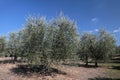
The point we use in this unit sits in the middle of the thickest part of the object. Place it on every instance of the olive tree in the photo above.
(14, 45)
(34, 41)
(2, 44)
(117, 49)
(101, 46)
(45, 43)
(84, 51)
(65, 37)
(96, 46)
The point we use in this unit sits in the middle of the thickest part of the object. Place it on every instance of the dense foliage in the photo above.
(97, 47)
(43, 42)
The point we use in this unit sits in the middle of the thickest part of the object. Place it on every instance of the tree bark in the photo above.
(15, 58)
(96, 63)
(86, 59)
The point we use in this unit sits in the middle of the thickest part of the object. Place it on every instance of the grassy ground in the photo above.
(70, 71)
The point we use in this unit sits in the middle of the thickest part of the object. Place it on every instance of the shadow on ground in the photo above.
(115, 67)
(9, 61)
(79, 65)
(104, 78)
(27, 70)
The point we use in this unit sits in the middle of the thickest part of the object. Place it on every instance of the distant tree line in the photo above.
(43, 42)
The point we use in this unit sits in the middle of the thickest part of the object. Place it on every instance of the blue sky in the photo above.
(90, 15)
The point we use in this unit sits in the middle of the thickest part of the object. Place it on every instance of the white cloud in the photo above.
(116, 30)
(91, 31)
(94, 19)
(96, 30)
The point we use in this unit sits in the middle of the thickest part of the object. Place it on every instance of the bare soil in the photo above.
(72, 72)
